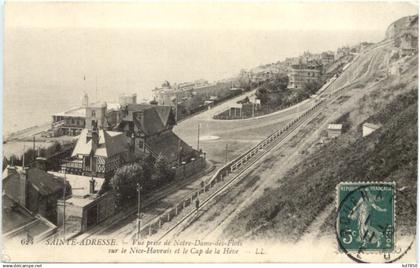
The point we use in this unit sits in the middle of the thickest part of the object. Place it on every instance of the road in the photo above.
(211, 221)
(240, 135)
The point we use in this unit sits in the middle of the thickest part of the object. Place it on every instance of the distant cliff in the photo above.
(409, 24)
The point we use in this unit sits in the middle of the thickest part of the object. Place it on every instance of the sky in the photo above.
(233, 15)
(51, 47)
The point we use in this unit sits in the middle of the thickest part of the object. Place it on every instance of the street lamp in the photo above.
(183, 168)
(138, 211)
(192, 160)
(198, 137)
(64, 169)
(226, 153)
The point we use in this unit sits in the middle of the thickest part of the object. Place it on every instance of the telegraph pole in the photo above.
(226, 153)
(138, 211)
(64, 203)
(198, 137)
(23, 158)
(176, 107)
(33, 145)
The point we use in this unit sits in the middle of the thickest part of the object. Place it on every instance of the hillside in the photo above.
(374, 94)
(389, 154)
(403, 25)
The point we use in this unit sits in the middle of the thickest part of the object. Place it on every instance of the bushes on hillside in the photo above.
(124, 183)
(388, 154)
(149, 172)
(275, 95)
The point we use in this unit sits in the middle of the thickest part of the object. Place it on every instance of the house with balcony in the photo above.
(149, 130)
(302, 73)
(97, 153)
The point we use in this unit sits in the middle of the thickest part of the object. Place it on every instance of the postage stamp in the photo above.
(365, 216)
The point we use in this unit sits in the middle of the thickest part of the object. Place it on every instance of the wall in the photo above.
(191, 168)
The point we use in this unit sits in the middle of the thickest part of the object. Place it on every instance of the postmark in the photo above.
(368, 214)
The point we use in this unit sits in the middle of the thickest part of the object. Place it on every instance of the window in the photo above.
(93, 113)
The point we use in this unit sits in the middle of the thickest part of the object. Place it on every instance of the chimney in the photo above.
(92, 186)
(23, 185)
(41, 163)
(11, 170)
(132, 142)
(89, 134)
(95, 138)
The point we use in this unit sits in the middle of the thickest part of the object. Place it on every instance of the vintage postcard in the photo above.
(215, 131)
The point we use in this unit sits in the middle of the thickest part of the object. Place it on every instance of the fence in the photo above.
(190, 168)
(153, 226)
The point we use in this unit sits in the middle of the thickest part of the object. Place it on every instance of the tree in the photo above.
(262, 94)
(163, 171)
(280, 82)
(312, 87)
(124, 183)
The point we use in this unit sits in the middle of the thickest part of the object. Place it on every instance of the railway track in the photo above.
(240, 168)
(244, 169)
(328, 98)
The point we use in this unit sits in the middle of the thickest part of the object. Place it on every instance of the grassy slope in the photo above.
(389, 154)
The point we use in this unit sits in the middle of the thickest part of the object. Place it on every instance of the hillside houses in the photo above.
(35, 189)
(404, 33)
(408, 44)
(113, 135)
(300, 74)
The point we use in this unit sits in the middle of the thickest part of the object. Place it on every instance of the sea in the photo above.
(47, 70)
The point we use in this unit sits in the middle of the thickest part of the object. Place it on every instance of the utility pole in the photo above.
(96, 87)
(179, 151)
(226, 153)
(64, 203)
(176, 107)
(33, 144)
(23, 158)
(138, 211)
(198, 137)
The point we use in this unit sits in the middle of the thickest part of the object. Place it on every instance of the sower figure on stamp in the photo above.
(362, 212)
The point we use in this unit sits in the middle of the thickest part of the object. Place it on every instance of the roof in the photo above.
(14, 215)
(131, 107)
(163, 112)
(80, 184)
(19, 222)
(335, 126)
(166, 144)
(370, 125)
(74, 112)
(42, 181)
(80, 201)
(307, 66)
(110, 143)
(5, 171)
(149, 122)
(98, 104)
(112, 106)
(149, 119)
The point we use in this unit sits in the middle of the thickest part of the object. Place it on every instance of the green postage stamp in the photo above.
(365, 218)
